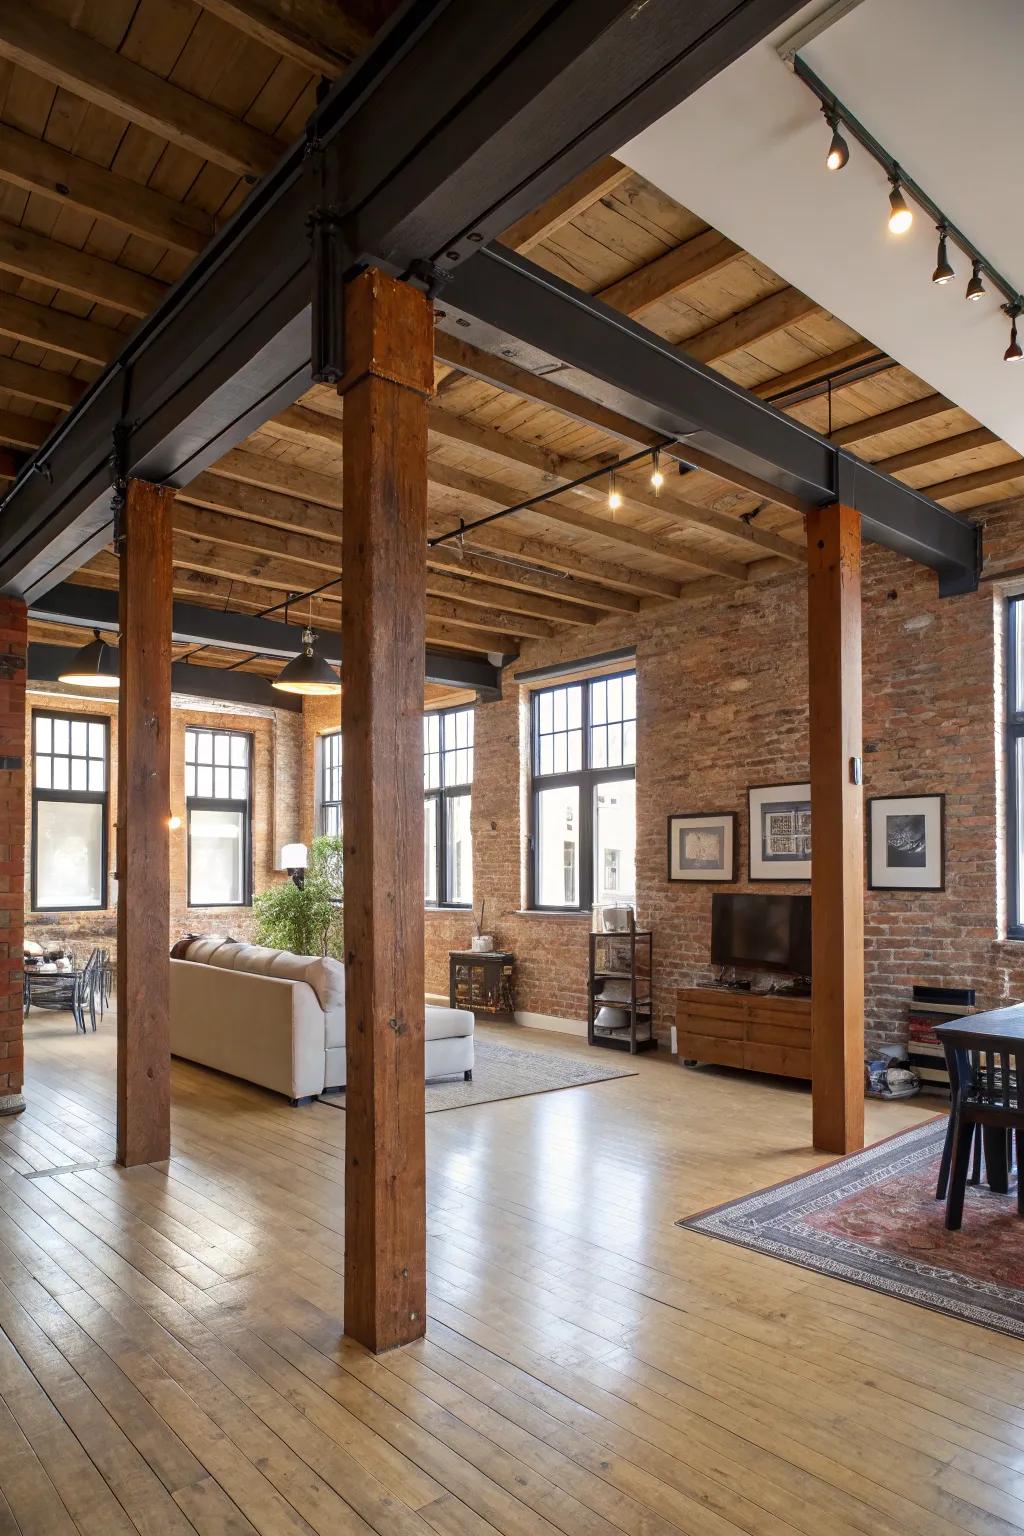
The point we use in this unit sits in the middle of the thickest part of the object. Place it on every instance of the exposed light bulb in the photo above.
(173, 823)
(943, 271)
(900, 216)
(657, 478)
(614, 496)
(976, 286)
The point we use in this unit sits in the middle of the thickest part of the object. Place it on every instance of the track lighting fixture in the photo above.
(976, 286)
(614, 496)
(838, 150)
(905, 196)
(943, 271)
(900, 216)
(308, 672)
(657, 478)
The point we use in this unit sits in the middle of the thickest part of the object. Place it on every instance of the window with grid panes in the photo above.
(218, 797)
(583, 833)
(447, 787)
(329, 818)
(70, 774)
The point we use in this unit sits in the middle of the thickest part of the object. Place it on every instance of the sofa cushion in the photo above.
(256, 959)
(324, 975)
(226, 954)
(200, 950)
(334, 1027)
(448, 1023)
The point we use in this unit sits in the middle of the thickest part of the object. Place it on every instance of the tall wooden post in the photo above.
(389, 375)
(143, 855)
(837, 830)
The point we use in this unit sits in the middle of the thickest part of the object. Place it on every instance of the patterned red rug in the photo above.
(873, 1219)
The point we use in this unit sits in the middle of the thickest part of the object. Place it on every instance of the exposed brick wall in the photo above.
(277, 766)
(722, 705)
(13, 652)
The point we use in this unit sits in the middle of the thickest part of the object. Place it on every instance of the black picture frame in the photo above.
(754, 837)
(938, 798)
(703, 877)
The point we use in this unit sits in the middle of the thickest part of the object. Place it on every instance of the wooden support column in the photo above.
(389, 375)
(143, 853)
(837, 810)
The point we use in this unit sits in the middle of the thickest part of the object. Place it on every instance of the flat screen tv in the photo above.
(761, 933)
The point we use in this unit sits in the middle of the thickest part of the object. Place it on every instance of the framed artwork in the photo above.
(780, 831)
(907, 843)
(702, 847)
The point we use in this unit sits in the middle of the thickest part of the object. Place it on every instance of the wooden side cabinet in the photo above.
(758, 1031)
(482, 981)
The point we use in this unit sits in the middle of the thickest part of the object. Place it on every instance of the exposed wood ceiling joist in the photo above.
(43, 385)
(48, 48)
(90, 277)
(73, 182)
(941, 448)
(318, 34)
(977, 480)
(671, 273)
(888, 421)
(818, 368)
(55, 331)
(750, 325)
(23, 431)
(574, 198)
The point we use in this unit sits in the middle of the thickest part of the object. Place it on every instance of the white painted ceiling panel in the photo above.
(937, 83)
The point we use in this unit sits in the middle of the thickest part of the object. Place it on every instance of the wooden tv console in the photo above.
(762, 1032)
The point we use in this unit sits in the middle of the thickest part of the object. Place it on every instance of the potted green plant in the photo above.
(307, 919)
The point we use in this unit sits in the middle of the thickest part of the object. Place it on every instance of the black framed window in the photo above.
(218, 797)
(70, 783)
(447, 802)
(583, 832)
(329, 808)
(1015, 767)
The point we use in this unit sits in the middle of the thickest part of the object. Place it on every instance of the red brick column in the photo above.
(13, 656)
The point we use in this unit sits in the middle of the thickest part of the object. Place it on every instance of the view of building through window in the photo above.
(69, 812)
(447, 781)
(217, 796)
(584, 793)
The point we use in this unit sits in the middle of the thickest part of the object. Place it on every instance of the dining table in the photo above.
(997, 1034)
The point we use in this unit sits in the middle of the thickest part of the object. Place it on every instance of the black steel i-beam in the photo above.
(47, 663)
(603, 355)
(460, 118)
(85, 607)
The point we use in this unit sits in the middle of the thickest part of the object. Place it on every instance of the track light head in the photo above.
(900, 216)
(976, 286)
(1014, 352)
(943, 271)
(838, 150)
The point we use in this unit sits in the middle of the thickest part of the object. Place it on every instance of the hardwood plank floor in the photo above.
(171, 1357)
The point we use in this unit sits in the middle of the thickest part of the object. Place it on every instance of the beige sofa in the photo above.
(278, 1019)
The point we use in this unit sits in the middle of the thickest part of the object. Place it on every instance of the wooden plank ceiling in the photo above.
(129, 129)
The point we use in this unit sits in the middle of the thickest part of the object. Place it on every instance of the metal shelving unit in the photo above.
(617, 958)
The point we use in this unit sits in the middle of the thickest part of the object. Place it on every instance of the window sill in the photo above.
(446, 906)
(578, 917)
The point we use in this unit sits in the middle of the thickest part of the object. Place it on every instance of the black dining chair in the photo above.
(986, 1075)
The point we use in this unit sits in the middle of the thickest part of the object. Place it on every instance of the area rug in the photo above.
(873, 1219)
(505, 1072)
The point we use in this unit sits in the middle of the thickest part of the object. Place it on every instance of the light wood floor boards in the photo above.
(171, 1358)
